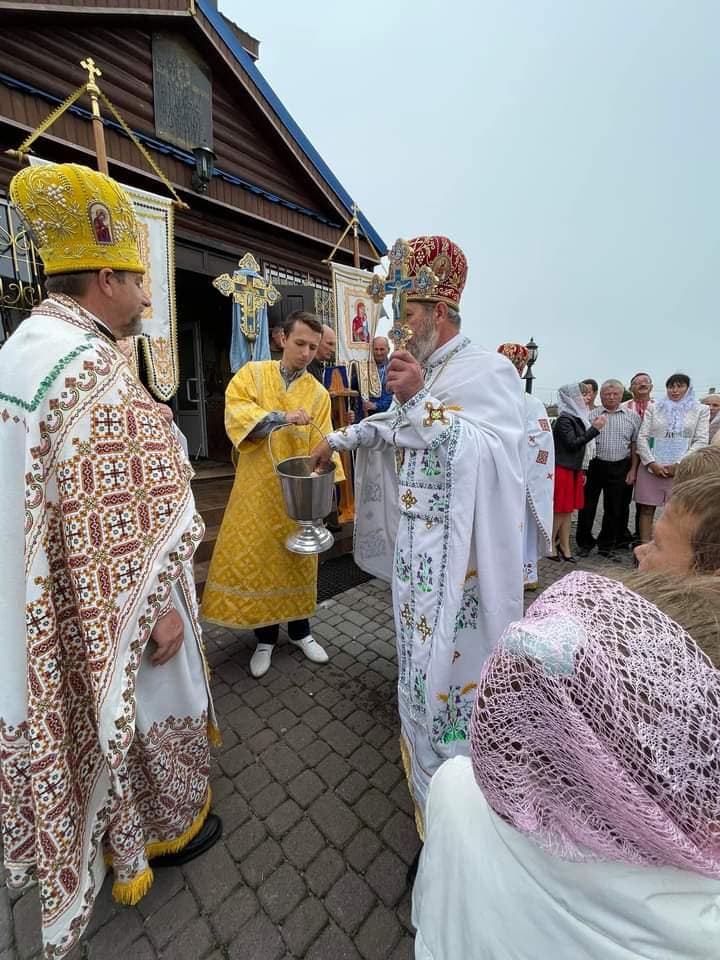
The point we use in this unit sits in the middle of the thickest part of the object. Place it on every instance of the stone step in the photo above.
(212, 517)
(201, 572)
(211, 494)
(205, 550)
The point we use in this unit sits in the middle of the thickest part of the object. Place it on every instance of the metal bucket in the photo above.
(308, 499)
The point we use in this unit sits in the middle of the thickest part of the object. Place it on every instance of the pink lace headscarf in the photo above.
(596, 730)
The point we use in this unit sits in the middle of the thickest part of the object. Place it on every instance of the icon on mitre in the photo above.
(101, 223)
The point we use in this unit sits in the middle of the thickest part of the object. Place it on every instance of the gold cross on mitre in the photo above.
(250, 291)
(398, 284)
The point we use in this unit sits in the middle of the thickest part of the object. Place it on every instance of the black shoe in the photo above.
(569, 559)
(209, 834)
(413, 869)
(611, 557)
(584, 551)
(554, 557)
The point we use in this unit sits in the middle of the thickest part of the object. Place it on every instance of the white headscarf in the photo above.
(572, 402)
(674, 410)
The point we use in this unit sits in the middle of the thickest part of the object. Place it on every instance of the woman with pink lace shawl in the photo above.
(591, 827)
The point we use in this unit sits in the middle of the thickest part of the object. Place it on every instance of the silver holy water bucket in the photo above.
(308, 499)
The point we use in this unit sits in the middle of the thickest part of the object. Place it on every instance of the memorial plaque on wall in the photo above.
(182, 90)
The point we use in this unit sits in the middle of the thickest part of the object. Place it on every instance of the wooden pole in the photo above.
(356, 238)
(98, 129)
(340, 399)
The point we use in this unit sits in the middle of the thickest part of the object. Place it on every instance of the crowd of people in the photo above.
(624, 451)
(564, 765)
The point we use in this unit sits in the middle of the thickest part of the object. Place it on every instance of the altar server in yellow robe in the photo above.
(254, 582)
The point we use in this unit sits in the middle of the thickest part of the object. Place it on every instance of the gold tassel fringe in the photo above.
(214, 735)
(161, 847)
(132, 891)
(405, 754)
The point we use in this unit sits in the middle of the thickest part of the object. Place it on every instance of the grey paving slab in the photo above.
(318, 827)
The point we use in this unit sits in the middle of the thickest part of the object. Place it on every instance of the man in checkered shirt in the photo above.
(609, 473)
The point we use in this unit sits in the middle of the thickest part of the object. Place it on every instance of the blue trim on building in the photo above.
(160, 146)
(248, 65)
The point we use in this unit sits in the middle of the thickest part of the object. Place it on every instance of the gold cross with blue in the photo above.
(399, 284)
(250, 291)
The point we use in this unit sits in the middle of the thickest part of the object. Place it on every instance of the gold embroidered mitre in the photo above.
(79, 219)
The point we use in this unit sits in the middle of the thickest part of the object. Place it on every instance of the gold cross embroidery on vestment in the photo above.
(424, 628)
(435, 415)
(408, 500)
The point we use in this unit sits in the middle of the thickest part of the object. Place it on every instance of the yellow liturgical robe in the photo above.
(253, 579)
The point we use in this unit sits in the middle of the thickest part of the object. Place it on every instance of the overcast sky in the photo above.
(571, 148)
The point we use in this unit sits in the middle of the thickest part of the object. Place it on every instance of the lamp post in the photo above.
(532, 349)
(204, 162)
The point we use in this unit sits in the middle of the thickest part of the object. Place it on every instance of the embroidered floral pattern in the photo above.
(430, 463)
(173, 754)
(424, 579)
(402, 566)
(452, 720)
(467, 615)
(419, 690)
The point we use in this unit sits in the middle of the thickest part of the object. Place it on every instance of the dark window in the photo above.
(20, 272)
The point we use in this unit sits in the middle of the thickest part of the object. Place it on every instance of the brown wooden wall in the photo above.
(47, 54)
(182, 5)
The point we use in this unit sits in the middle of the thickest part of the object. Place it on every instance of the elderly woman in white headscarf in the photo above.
(674, 426)
(586, 826)
(571, 432)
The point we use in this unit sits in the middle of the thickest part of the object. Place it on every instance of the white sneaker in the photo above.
(312, 649)
(260, 660)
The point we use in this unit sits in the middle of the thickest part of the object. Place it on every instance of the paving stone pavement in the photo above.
(318, 831)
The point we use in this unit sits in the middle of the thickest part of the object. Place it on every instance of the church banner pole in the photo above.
(356, 238)
(98, 129)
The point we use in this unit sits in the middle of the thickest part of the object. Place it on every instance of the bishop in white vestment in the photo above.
(440, 503)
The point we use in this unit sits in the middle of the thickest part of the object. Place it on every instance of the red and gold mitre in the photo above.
(447, 262)
(516, 353)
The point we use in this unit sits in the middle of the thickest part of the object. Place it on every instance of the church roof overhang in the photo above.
(247, 65)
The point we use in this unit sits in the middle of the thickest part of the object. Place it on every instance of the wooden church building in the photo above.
(185, 79)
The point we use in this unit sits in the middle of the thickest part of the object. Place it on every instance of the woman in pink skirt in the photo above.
(672, 428)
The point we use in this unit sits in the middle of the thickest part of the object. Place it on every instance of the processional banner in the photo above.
(357, 319)
(158, 343)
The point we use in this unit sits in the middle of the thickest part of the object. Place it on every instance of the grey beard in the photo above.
(423, 345)
(131, 329)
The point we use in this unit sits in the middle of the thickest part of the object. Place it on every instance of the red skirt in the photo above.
(569, 490)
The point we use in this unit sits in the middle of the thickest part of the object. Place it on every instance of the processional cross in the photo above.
(398, 284)
(250, 291)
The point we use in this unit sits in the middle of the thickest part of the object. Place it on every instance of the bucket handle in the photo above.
(279, 426)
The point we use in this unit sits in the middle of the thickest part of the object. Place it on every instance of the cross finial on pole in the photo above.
(93, 71)
(92, 88)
